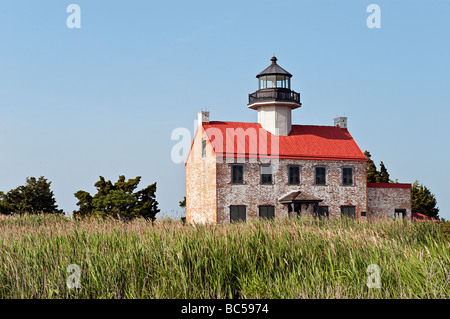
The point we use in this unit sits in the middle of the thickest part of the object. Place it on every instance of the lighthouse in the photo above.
(274, 100)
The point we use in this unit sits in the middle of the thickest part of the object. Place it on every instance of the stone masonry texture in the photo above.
(252, 194)
(201, 182)
(382, 202)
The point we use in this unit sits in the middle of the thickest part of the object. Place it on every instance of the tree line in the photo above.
(119, 200)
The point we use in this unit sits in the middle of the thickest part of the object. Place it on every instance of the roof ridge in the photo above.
(256, 123)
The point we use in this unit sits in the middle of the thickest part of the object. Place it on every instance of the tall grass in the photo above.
(302, 258)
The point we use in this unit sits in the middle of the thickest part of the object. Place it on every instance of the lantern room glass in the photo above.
(274, 81)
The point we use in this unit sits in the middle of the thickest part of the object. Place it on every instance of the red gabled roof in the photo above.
(237, 139)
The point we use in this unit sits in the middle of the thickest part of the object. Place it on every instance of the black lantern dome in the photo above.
(274, 84)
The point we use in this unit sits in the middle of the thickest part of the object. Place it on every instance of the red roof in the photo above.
(236, 139)
(422, 217)
(388, 185)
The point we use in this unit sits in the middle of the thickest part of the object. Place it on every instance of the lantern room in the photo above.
(274, 84)
(274, 77)
(274, 100)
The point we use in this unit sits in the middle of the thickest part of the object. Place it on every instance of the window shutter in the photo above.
(267, 212)
(242, 213)
(348, 211)
(271, 212)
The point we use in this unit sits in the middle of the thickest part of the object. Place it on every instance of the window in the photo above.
(294, 175)
(267, 212)
(237, 174)
(348, 211)
(320, 175)
(266, 174)
(262, 83)
(237, 213)
(347, 176)
(322, 211)
(204, 147)
(271, 81)
(400, 214)
(280, 83)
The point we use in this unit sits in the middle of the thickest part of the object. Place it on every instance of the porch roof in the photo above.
(299, 197)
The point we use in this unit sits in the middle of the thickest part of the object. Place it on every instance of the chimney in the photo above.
(341, 122)
(203, 117)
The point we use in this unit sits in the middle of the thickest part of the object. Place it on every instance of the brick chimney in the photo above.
(203, 117)
(341, 122)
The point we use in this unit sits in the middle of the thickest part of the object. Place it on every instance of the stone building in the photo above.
(273, 168)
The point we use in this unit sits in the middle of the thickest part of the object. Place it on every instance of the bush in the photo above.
(118, 200)
(445, 229)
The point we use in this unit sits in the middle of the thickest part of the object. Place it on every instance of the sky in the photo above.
(104, 99)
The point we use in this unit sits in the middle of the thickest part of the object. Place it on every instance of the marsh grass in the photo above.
(302, 258)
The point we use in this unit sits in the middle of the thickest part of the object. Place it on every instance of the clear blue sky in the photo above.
(104, 99)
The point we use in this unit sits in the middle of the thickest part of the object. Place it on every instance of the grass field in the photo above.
(302, 258)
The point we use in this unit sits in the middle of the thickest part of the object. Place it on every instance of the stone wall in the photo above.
(253, 194)
(201, 182)
(383, 199)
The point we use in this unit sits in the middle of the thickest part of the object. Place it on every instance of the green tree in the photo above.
(32, 198)
(372, 174)
(383, 175)
(423, 201)
(118, 200)
(3, 204)
(183, 203)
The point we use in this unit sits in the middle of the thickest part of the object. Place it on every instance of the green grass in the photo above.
(302, 258)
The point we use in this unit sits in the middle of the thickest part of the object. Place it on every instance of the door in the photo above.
(297, 209)
(322, 211)
(399, 214)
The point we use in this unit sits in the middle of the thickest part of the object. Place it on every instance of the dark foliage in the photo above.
(183, 202)
(35, 197)
(423, 201)
(118, 200)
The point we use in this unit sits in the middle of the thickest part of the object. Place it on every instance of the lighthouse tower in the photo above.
(274, 99)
